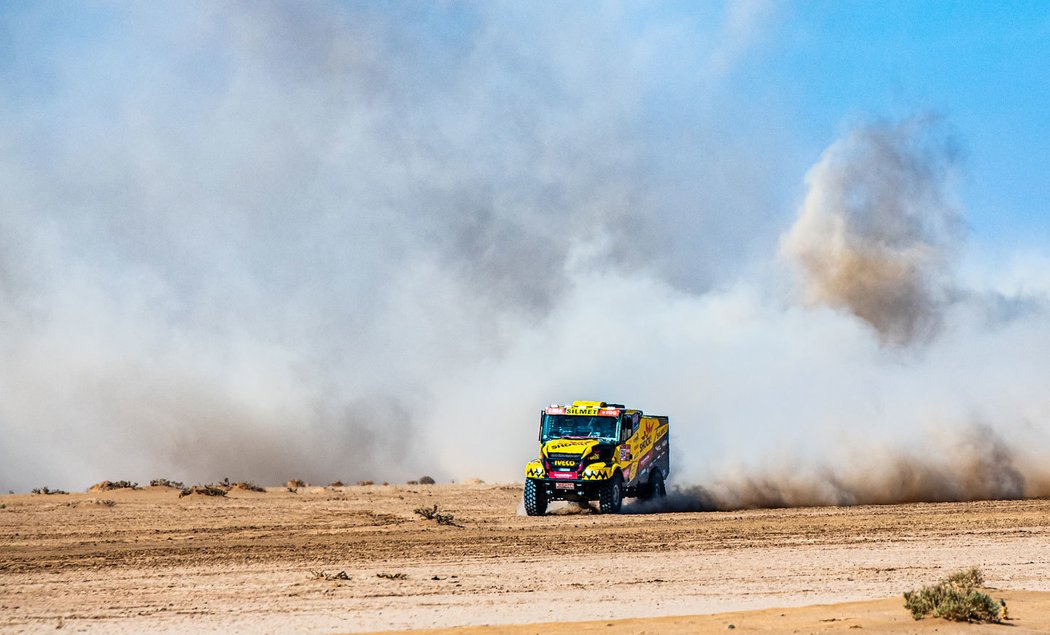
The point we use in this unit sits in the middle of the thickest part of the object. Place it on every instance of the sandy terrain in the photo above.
(150, 560)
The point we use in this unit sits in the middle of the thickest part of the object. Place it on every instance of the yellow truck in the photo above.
(593, 450)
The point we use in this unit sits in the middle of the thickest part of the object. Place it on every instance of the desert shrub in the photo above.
(336, 484)
(426, 480)
(248, 485)
(163, 482)
(321, 575)
(365, 483)
(427, 513)
(392, 576)
(432, 513)
(203, 490)
(45, 490)
(104, 486)
(412, 483)
(955, 598)
(294, 484)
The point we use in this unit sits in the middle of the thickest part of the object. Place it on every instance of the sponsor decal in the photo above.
(580, 444)
(582, 411)
(563, 474)
(561, 463)
(564, 486)
(647, 436)
(585, 412)
(625, 454)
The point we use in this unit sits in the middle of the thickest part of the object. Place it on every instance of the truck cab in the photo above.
(594, 450)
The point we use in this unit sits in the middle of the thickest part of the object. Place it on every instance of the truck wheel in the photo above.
(656, 485)
(535, 499)
(610, 496)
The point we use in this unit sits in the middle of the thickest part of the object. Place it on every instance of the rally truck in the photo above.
(593, 450)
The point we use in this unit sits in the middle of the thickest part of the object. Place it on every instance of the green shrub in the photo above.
(955, 598)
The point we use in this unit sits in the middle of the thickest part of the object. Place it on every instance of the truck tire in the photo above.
(535, 499)
(610, 496)
(654, 488)
(656, 485)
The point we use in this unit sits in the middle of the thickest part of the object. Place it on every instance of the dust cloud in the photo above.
(253, 240)
(970, 464)
(879, 228)
(335, 242)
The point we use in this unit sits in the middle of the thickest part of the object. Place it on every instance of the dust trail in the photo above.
(879, 228)
(972, 463)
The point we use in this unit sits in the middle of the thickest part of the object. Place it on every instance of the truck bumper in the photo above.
(569, 489)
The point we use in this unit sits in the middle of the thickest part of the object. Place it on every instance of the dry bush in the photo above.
(294, 484)
(163, 482)
(105, 486)
(45, 490)
(412, 483)
(321, 575)
(336, 484)
(362, 483)
(426, 480)
(955, 598)
(428, 513)
(203, 490)
(392, 576)
(432, 513)
(247, 486)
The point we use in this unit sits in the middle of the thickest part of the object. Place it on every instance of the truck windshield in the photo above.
(560, 426)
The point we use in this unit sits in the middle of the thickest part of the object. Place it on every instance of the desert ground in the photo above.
(148, 560)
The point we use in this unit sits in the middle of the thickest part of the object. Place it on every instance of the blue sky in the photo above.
(818, 65)
(981, 64)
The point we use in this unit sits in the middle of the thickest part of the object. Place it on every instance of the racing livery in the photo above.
(597, 450)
